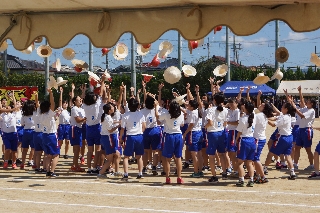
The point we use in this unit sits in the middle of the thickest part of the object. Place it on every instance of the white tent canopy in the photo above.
(104, 21)
(308, 87)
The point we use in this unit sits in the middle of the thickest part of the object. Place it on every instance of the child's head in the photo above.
(44, 107)
(133, 105)
(28, 108)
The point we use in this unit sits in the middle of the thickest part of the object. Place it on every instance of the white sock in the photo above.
(292, 171)
(283, 163)
(241, 178)
(125, 174)
(140, 173)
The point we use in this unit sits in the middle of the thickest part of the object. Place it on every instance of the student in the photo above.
(134, 122)
(64, 124)
(27, 139)
(216, 119)
(18, 115)
(284, 144)
(316, 173)
(173, 143)
(49, 136)
(246, 143)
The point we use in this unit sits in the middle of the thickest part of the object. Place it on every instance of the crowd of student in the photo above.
(214, 131)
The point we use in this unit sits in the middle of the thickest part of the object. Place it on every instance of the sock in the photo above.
(241, 178)
(283, 163)
(292, 171)
(251, 178)
(125, 174)
(140, 173)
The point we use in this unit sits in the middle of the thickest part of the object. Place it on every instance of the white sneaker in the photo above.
(149, 166)
(159, 166)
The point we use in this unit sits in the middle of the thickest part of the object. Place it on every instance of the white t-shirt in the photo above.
(27, 122)
(149, 114)
(298, 118)
(309, 116)
(162, 111)
(48, 122)
(116, 121)
(76, 112)
(218, 118)
(93, 112)
(283, 123)
(233, 116)
(8, 122)
(244, 128)
(193, 118)
(106, 125)
(18, 115)
(64, 117)
(132, 121)
(260, 127)
(171, 126)
(36, 120)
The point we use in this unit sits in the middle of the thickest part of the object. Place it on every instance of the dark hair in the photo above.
(232, 100)
(268, 110)
(249, 107)
(45, 107)
(106, 109)
(174, 110)
(74, 99)
(194, 104)
(28, 108)
(133, 104)
(314, 103)
(149, 103)
(219, 99)
(205, 104)
(90, 98)
(290, 108)
(65, 102)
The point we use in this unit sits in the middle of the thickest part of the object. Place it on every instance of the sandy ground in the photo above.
(21, 190)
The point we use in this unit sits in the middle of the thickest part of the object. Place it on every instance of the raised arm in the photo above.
(302, 103)
(36, 99)
(61, 95)
(124, 94)
(103, 86)
(258, 98)
(132, 91)
(189, 95)
(198, 97)
(120, 98)
(138, 95)
(52, 104)
(248, 94)
(275, 109)
(144, 88)
(83, 91)
(239, 94)
(160, 91)
(71, 94)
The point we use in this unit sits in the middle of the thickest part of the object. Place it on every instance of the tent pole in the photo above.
(90, 56)
(46, 72)
(277, 46)
(179, 52)
(133, 67)
(227, 53)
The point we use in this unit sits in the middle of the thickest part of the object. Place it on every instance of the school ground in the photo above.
(70, 192)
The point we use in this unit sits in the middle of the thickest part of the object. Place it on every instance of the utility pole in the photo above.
(276, 47)
(179, 52)
(208, 46)
(107, 61)
(227, 53)
(90, 56)
(5, 65)
(46, 72)
(235, 48)
(133, 65)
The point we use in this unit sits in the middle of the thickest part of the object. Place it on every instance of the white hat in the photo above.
(261, 79)
(121, 51)
(141, 50)
(94, 76)
(221, 70)
(107, 74)
(277, 75)
(57, 64)
(172, 75)
(315, 59)
(180, 99)
(44, 51)
(68, 53)
(189, 70)
(60, 81)
(165, 49)
(3, 46)
(80, 63)
(29, 49)
(52, 83)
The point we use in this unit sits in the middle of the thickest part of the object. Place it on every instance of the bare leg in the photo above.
(178, 165)
(66, 147)
(297, 154)
(140, 163)
(212, 164)
(310, 155)
(55, 159)
(89, 156)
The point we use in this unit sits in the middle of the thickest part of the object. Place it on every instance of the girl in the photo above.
(18, 115)
(49, 136)
(216, 118)
(316, 173)
(28, 123)
(284, 144)
(75, 131)
(109, 139)
(64, 124)
(246, 145)
(173, 143)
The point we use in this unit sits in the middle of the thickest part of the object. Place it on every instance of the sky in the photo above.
(256, 49)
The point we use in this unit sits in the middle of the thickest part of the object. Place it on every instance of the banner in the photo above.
(21, 93)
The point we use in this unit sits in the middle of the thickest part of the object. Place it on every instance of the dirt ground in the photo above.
(21, 190)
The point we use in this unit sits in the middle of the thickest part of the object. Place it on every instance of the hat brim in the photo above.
(43, 47)
(62, 82)
(68, 53)
(94, 76)
(261, 80)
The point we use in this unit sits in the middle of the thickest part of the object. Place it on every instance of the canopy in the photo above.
(308, 87)
(232, 88)
(104, 21)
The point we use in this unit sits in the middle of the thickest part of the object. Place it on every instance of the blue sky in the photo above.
(256, 49)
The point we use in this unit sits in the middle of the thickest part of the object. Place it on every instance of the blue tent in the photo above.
(232, 88)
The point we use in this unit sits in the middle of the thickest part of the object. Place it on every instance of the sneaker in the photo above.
(99, 176)
(224, 176)
(144, 171)
(10, 162)
(14, 166)
(260, 180)
(82, 160)
(149, 166)
(44, 171)
(65, 157)
(292, 177)
(234, 175)
(296, 166)
(118, 174)
(278, 165)
(168, 181)
(195, 175)
(159, 166)
(228, 171)
(154, 170)
(125, 178)
(314, 175)
(30, 163)
(5, 165)
(18, 161)
(37, 170)
(163, 173)
(310, 167)
(240, 183)
(48, 174)
(201, 174)
(21, 166)
(52, 174)
(89, 172)
(247, 176)
(250, 183)
(185, 165)
(140, 177)
(205, 168)
(94, 171)
(180, 181)
(284, 167)
(265, 171)
(213, 179)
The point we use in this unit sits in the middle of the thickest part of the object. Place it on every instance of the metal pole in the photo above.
(5, 63)
(179, 52)
(234, 48)
(227, 53)
(315, 52)
(276, 47)
(90, 56)
(46, 72)
(133, 66)
(208, 46)
(107, 61)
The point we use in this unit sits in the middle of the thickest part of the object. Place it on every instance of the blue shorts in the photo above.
(275, 135)
(204, 138)
(124, 136)
(305, 137)
(20, 133)
(282, 146)
(246, 148)
(10, 140)
(27, 139)
(184, 128)
(216, 142)
(194, 141)
(163, 135)
(259, 147)
(134, 144)
(295, 133)
(110, 143)
(93, 135)
(151, 138)
(173, 145)
(50, 144)
(75, 135)
(318, 148)
(231, 141)
(37, 141)
(63, 132)
(84, 131)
